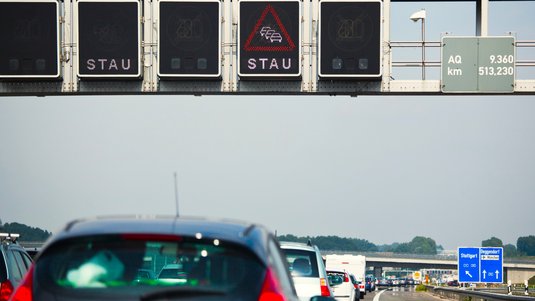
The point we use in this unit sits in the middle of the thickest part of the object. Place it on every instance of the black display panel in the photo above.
(190, 39)
(108, 39)
(269, 39)
(30, 45)
(350, 39)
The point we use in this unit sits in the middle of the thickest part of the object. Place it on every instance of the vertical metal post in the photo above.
(176, 195)
(387, 51)
(306, 46)
(482, 18)
(314, 17)
(423, 49)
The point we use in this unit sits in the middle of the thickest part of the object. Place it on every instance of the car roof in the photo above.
(336, 270)
(297, 245)
(249, 235)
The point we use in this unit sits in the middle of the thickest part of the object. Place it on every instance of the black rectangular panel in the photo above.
(269, 39)
(30, 46)
(108, 39)
(190, 39)
(350, 39)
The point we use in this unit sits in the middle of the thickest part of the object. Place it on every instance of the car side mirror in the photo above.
(322, 298)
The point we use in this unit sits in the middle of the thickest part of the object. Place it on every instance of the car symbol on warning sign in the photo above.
(263, 33)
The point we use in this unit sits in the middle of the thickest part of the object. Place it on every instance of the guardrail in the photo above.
(426, 62)
(472, 295)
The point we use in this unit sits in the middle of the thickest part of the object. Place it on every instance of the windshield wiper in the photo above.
(176, 292)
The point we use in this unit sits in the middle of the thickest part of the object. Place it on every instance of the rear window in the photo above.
(302, 263)
(336, 278)
(137, 265)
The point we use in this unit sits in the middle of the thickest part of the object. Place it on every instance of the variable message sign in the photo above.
(30, 45)
(350, 38)
(478, 64)
(109, 42)
(269, 39)
(190, 39)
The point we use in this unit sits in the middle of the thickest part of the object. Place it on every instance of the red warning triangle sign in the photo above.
(264, 37)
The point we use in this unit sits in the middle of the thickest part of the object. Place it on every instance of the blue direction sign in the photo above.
(480, 265)
(468, 264)
(491, 265)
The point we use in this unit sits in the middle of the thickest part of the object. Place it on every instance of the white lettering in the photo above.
(289, 64)
(263, 60)
(455, 59)
(269, 63)
(251, 63)
(102, 61)
(469, 256)
(455, 72)
(274, 64)
(127, 67)
(108, 64)
(91, 64)
(113, 65)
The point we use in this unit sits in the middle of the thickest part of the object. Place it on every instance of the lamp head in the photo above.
(419, 15)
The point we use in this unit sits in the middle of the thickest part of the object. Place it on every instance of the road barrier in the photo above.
(472, 295)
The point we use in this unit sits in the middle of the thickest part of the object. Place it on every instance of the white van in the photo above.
(353, 264)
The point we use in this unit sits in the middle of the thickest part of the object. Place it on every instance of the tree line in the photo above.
(525, 245)
(27, 233)
(418, 245)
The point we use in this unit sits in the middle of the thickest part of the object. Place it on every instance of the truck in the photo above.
(353, 264)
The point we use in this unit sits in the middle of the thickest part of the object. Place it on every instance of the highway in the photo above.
(400, 294)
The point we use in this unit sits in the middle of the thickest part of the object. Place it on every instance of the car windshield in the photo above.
(136, 264)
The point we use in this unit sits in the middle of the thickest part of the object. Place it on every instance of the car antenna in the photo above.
(176, 195)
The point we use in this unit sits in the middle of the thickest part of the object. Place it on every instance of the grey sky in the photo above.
(455, 168)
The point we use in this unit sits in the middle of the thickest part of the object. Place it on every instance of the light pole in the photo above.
(420, 15)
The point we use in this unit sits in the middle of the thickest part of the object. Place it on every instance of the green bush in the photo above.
(421, 288)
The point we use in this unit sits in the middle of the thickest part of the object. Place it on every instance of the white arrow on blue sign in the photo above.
(491, 265)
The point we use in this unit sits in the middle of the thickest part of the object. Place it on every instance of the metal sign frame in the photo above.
(190, 75)
(329, 76)
(76, 26)
(58, 40)
(298, 42)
